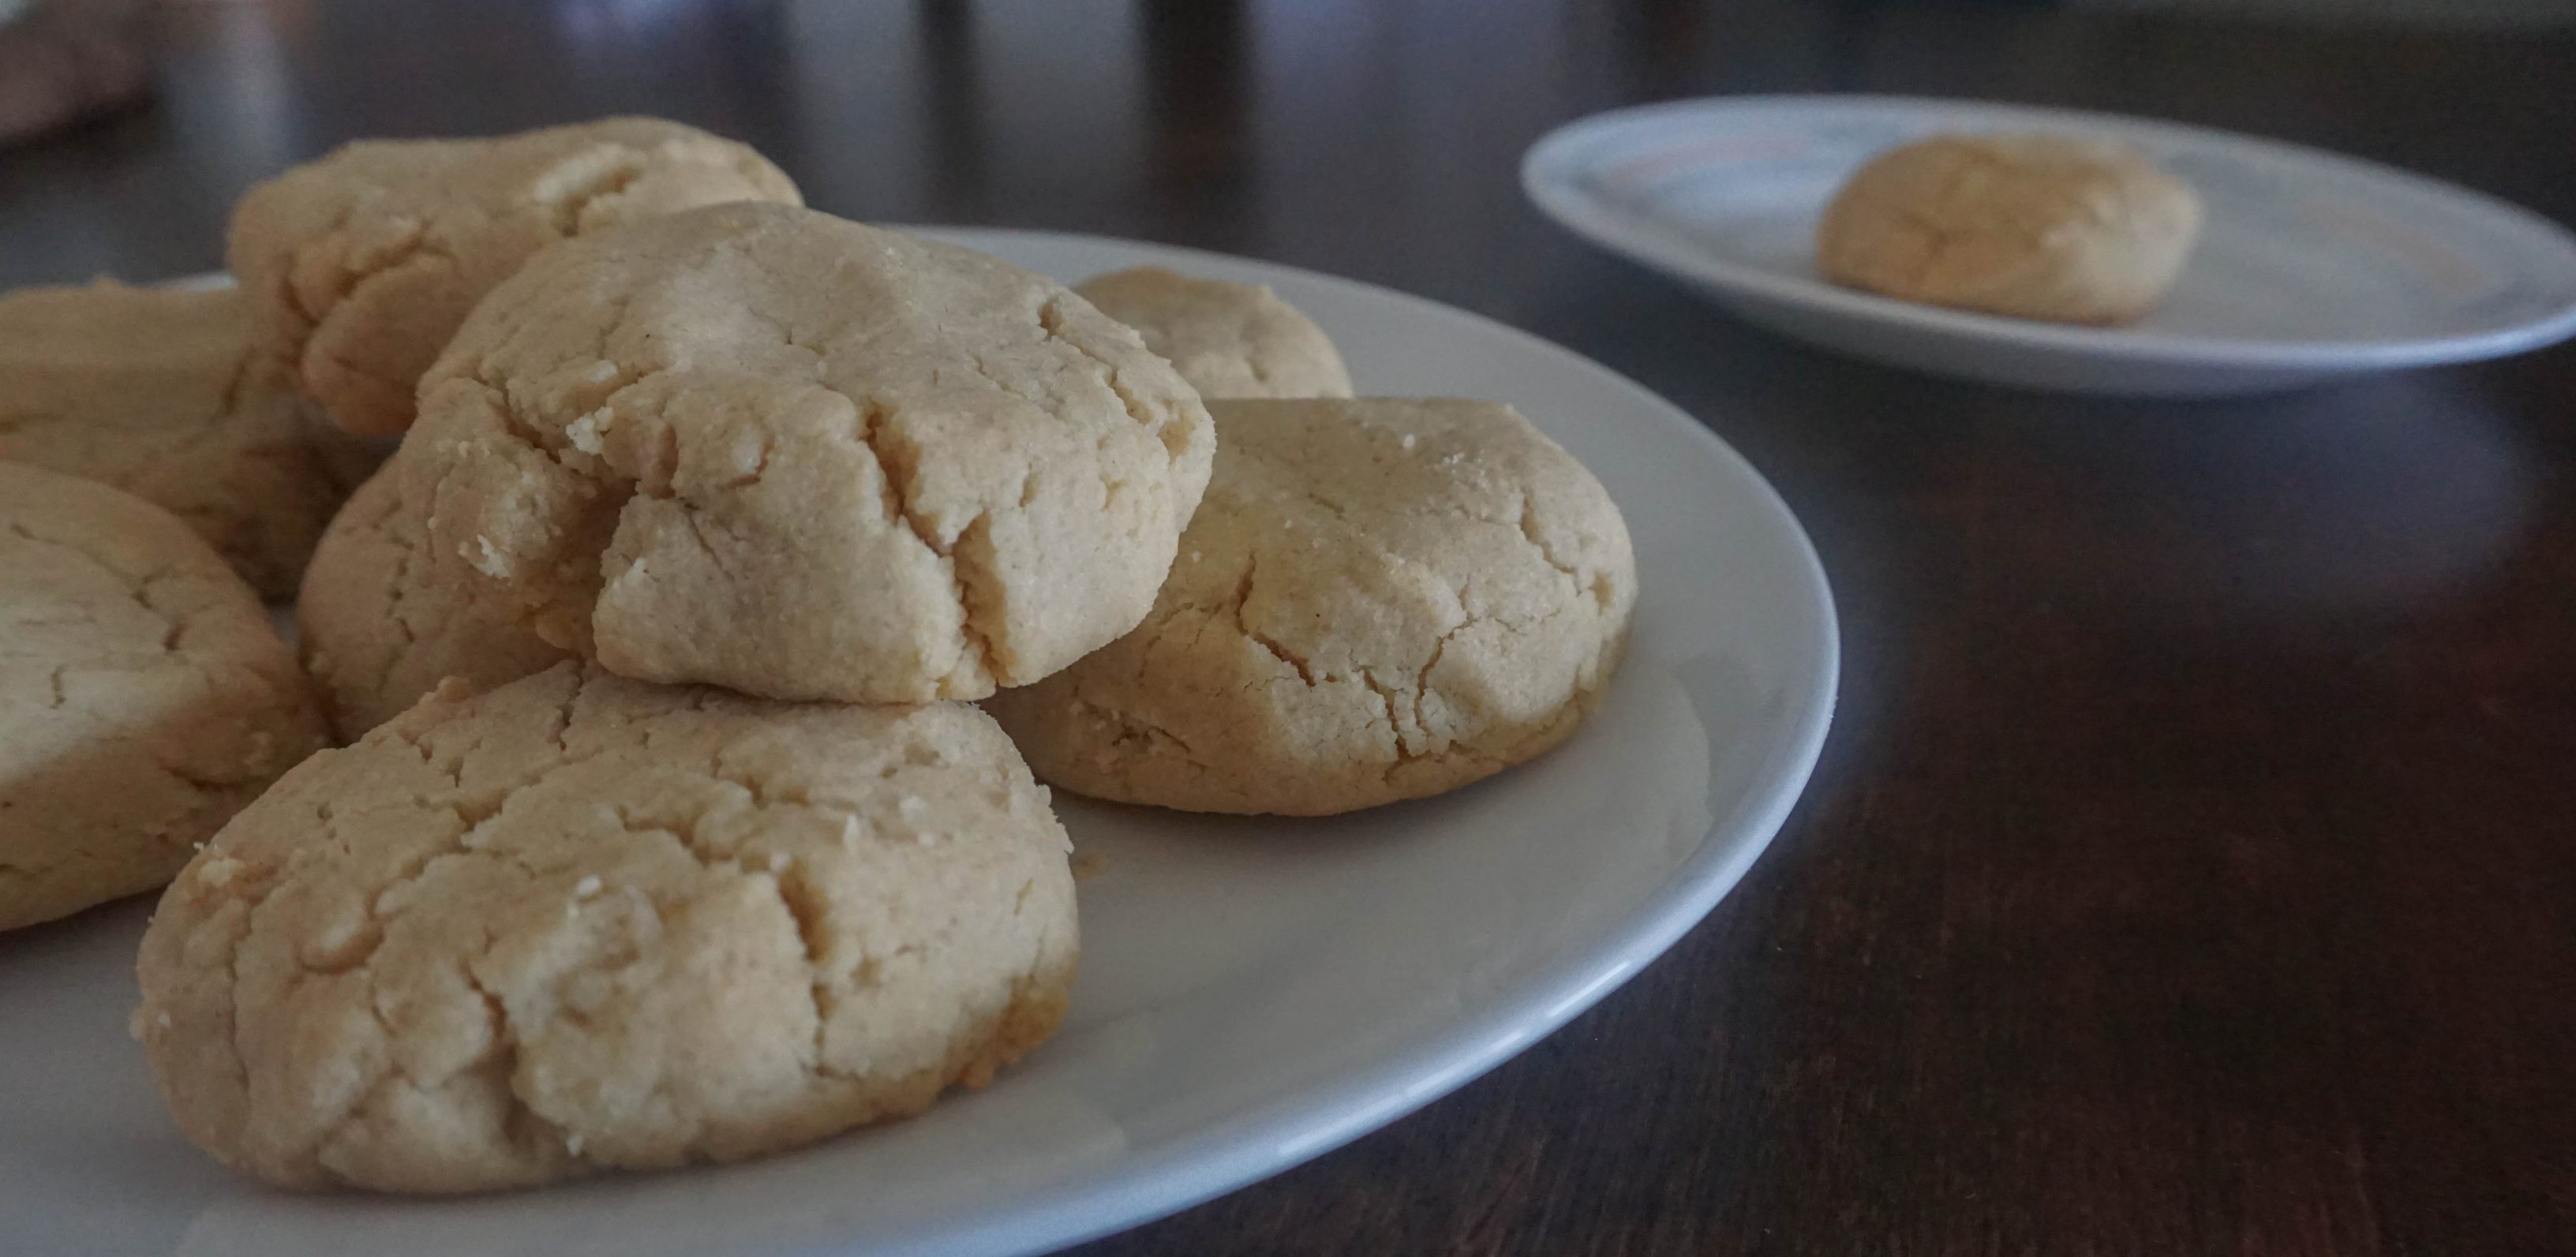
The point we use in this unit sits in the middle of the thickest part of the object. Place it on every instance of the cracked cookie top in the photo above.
(2036, 226)
(380, 626)
(162, 393)
(1226, 339)
(143, 696)
(1379, 600)
(768, 449)
(364, 262)
(581, 922)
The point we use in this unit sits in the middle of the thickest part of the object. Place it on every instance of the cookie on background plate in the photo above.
(143, 695)
(1226, 339)
(379, 625)
(364, 262)
(2036, 226)
(161, 393)
(584, 923)
(764, 448)
(1378, 600)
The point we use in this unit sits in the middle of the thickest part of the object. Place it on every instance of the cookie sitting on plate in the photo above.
(143, 696)
(163, 394)
(1226, 339)
(2036, 226)
(765, 448)
(363, 263)
(1378, 600)
(584, 923)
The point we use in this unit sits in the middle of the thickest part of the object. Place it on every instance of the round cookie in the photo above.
(1379, 600)
(1226, 339)
(582, 923)
(380, 626)
(160, 393)
(764, 448)
(364, 262)
(2036, 226)
(143, 696)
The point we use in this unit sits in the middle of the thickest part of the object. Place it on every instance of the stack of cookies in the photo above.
(665, 830)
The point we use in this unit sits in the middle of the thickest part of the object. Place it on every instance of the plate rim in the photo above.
(1588, 218)
(1229, 1154)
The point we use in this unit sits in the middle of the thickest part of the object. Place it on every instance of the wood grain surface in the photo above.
(2193, 865)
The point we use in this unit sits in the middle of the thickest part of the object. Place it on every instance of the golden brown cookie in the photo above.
(160, 393)
(764, 448)
(2037, 226)
(364, 262)
(143, 696)
(584, 923)
(1226, 339)
(380, 626)
(1378, 600)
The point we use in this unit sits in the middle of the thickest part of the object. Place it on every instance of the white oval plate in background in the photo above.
(1252, 993)
(2310, 265)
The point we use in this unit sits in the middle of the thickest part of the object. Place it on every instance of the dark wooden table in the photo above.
(2193, 865)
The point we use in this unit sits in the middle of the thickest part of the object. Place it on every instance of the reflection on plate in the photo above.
(2311, 265)
(1252, 992)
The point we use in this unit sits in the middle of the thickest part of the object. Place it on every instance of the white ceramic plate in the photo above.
(1252, 993)
(2311, 265)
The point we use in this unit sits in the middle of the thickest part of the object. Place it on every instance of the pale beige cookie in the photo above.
(364, 262)
(160, 393)
(2037, 226)
(1226, 339)
(1378, 600)
(380, 625)
(767, 449)
(143, 696)
(583, 923)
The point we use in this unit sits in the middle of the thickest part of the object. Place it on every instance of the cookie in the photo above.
(1226, 339)
(160, 393)
(1379, 600)
(143, 696)
(364, 262)
(767, 449)
(584, 923)
(2035, 226)
(380, 626)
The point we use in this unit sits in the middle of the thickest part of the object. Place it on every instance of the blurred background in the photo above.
(1256, 126)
